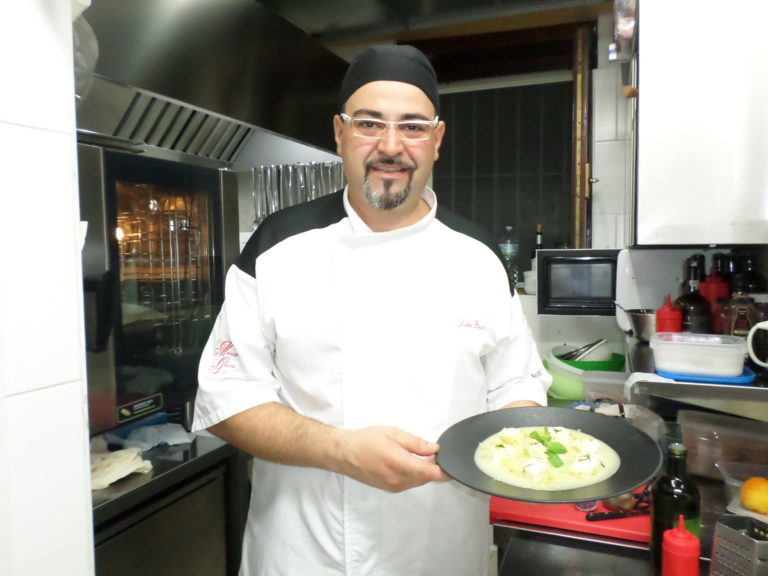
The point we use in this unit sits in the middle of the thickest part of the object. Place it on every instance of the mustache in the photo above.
(391, 161)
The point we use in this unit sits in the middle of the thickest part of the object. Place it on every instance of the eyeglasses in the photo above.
(412, 130)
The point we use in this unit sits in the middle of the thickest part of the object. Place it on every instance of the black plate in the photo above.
(640, 455)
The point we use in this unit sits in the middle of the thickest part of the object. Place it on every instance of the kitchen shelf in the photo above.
(746, 401)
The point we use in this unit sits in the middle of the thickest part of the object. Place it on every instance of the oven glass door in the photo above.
(153, 283)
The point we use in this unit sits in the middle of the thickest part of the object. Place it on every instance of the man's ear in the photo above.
(439, 133)
(338, 127)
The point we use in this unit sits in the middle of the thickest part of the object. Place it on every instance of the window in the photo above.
(507, 158)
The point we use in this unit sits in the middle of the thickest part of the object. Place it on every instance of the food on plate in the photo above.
(546, 458)
(754, 495)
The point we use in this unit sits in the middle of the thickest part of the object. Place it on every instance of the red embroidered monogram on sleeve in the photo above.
(223, 356)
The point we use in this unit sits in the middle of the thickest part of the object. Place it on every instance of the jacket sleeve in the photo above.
(514, 371)
(236, 366)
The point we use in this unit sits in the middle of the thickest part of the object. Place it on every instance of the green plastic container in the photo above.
(615, 364)
(567, 383)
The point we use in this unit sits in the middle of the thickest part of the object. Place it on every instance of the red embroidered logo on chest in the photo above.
(223, 356)
(470, 324)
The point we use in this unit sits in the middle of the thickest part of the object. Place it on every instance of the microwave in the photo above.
(576, 281)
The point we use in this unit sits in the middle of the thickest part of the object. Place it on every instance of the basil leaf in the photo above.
(536, 436)
(556, 448)
(555, 460)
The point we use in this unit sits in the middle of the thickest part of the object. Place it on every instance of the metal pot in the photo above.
(642, 322)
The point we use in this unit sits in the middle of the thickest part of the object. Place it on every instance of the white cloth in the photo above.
(109, 467)
(413, 328)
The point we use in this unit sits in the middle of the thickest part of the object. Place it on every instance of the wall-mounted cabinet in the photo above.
(702, 124)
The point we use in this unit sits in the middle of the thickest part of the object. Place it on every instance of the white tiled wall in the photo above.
(611, 143)
(39, 219)
(45, 507)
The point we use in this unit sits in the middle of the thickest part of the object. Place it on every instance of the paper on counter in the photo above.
(108, 467)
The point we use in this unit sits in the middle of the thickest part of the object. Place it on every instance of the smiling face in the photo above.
(386, 176)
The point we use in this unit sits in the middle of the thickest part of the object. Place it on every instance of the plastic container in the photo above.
(705, 354)
(734, 474)
(605, 385)
(566, 380)
(746, 378)
(567, 375)
(712, 438)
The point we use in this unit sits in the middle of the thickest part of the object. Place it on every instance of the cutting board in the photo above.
(567, 517)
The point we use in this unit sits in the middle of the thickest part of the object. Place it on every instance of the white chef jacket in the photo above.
(413, 328)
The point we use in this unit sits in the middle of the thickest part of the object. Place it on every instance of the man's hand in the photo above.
(520, 404)
(388, 458)
(381, 456)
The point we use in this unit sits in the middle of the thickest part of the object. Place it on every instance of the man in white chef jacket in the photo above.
(357, 328)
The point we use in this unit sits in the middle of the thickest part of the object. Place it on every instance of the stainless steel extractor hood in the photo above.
(199, 77)
(130, 114)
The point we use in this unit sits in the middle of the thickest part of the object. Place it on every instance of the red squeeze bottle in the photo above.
(680, 552)
(669, 318)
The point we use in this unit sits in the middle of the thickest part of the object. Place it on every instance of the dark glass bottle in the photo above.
(733, 265)
(695, 308)
(539, 241)
(755, 281)
(718, 265)
(673, 493)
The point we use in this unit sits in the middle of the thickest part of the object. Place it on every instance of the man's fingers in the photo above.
(413, 443)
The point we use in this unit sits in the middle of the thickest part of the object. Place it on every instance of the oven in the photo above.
(160, 235)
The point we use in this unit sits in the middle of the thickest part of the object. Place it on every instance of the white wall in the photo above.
(45, 504)
(611, 147)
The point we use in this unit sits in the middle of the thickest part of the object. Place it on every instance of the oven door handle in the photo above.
(103, 289)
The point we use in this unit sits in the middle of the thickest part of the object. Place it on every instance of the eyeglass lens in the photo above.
(408, 130)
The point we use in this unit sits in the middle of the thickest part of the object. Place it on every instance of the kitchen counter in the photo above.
(171, 465)
(548, 550)
(748, 401)
(185, 516)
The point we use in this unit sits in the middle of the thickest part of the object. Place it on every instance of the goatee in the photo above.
(387, 198)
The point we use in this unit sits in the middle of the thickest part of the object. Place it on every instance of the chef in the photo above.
(357, 328)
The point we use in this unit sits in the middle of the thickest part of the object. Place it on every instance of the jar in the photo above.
(760, 339)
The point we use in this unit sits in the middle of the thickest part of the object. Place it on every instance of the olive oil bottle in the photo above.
(673, 493)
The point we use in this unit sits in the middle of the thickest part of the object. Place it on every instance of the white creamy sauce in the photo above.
(512, 456)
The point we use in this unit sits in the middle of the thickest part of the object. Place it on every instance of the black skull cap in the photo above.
(398, 63)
